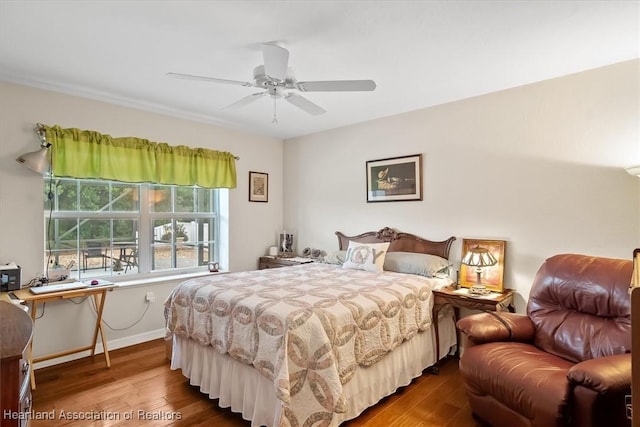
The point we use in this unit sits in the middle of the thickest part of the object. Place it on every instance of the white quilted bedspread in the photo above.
(306, 327)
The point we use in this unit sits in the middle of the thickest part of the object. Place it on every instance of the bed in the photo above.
(317, 343)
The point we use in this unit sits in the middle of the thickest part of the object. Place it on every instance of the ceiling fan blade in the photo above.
(304, 104)
(245, 101)
(276, 61)
(337, 86)
(211, 79)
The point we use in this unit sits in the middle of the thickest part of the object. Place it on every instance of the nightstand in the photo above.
(459, 298)
(276, 262)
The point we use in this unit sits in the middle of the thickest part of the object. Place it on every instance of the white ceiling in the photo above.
(420, 53)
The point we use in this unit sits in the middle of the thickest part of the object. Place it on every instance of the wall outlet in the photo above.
(150, 297)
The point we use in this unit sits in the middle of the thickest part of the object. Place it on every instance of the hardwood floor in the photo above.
(141, 384)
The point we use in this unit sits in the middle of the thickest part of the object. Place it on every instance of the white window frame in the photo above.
(144, 217)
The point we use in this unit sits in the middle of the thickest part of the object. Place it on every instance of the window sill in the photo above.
(151, 280)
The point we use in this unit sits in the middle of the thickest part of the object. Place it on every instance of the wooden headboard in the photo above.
(399, 242)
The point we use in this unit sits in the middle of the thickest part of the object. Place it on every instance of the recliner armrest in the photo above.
(496, 326)
(603, 374)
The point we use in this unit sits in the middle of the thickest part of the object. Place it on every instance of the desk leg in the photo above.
(34, 306)
(99, 301)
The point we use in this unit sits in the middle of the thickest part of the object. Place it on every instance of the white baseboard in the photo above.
(113, 345)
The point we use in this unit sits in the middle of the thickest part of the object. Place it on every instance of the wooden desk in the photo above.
(99, 294)
(450, 296)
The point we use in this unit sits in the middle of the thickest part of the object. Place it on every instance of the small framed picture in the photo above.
(394, 179)
(258, 187)
(491, 276)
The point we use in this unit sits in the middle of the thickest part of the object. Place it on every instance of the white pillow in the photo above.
(416, 263)
(365, 256)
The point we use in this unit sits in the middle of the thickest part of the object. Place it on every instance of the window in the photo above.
(108, 228)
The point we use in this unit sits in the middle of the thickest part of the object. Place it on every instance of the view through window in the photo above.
(101, 228)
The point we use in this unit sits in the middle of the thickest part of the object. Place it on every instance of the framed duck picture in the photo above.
(394, 179)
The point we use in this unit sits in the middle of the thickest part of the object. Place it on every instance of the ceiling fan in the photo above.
(277, 78)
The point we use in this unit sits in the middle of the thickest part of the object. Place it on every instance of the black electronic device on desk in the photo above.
(9, 277)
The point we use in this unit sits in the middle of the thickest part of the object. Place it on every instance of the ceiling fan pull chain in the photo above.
(275, 118)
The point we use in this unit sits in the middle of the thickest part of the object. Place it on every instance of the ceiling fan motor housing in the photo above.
(275, 87)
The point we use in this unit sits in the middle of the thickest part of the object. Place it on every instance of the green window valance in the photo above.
(87, 154)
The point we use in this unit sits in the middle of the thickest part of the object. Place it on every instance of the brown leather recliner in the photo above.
(567, 362)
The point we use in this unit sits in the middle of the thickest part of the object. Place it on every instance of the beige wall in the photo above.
(540, 166)
(252, 226)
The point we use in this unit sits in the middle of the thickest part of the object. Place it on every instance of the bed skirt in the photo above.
(241, 388)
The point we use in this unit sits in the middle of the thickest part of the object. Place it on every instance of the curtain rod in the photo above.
(39, 129)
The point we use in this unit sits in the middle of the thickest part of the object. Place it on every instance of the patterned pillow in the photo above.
(365, 256)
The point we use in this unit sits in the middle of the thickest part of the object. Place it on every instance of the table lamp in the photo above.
(38, 161)
(479, 258)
